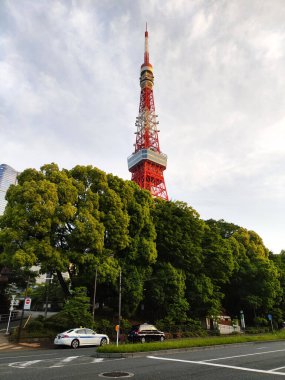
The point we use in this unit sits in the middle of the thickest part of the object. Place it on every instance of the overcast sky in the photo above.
(69, 94)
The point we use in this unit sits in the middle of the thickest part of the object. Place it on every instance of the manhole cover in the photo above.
(115, 375)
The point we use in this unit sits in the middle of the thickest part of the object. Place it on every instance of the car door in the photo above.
(92, 337)
(154, 333)
(81, 336)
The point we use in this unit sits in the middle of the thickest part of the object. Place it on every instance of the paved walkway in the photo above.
(5, 345)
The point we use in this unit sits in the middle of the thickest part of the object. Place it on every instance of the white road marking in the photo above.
(97, 360)
(59, 362)
(276, 369)
(218, 365)
(240, 356)
(63, 361)
(24, 364)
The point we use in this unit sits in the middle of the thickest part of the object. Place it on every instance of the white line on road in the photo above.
(97, 360)
(62, 362)
(24, 364)
(240, 356)
(218, 365)
(276, 369)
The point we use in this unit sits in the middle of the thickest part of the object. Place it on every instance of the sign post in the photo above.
(242, 322)
(117, 328)
(27, 303)
(269, 316)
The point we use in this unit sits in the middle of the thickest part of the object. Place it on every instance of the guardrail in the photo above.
(5, 317)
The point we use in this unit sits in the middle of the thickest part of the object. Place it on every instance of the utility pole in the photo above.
(94, 294)
(48, 281)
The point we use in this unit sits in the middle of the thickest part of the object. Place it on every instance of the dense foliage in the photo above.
(174, 265)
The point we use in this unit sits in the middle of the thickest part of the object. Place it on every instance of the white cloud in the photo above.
(69, 93)
(201, 24)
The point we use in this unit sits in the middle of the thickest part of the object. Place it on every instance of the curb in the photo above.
(120, 355)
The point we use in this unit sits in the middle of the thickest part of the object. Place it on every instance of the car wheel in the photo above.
(103, 342)
(75, 343)
(162, 338)
(143, 340)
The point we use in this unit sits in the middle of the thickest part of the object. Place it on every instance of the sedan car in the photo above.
(80, 337)
(145, 333)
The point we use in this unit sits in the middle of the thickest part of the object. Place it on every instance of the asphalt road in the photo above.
(248, 361)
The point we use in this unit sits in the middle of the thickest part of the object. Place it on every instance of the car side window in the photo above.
(144, 327)
(89, 331)
(80, 331)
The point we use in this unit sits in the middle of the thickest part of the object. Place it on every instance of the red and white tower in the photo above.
(147, 163)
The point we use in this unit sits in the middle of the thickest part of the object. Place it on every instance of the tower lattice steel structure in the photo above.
(147, 163)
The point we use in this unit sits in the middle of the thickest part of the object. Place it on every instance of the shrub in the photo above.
(259, 321)
(104, 326)
(189, 328)
(257, 330)
(35, 325)
(59, 322)
(75, 313)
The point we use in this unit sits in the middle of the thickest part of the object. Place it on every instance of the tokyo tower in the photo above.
(147, 163)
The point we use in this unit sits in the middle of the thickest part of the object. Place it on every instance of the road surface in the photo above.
(246, 361)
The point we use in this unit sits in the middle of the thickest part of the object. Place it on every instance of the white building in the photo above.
(8, 176)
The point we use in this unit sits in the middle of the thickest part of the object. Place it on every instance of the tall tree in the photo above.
(180, 234)
(136, 259)
(254, 286)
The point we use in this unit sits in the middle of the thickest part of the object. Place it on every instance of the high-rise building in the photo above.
(147, 163)
(8, 176)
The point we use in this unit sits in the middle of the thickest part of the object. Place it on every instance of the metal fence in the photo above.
(5, 317)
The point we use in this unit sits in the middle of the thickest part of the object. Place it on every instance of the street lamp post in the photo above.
(11, 309)
(23, 311)
(120, 303)
(48, 281)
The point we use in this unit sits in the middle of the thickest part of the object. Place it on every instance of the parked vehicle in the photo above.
(145, 333)
(80, 337)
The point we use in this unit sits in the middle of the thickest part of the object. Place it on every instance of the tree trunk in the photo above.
(63, 284)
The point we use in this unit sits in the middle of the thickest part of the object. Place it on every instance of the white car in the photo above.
(80, 337)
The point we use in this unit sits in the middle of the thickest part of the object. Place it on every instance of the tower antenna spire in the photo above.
(146, 51)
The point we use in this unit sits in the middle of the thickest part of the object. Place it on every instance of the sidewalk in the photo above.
(5, 345)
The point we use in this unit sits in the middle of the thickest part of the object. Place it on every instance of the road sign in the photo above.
(269, 317)
(27, 303)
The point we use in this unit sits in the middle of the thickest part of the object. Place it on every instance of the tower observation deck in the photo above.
(147, 162)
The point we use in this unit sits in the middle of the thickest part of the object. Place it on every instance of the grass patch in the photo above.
(190, 342)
